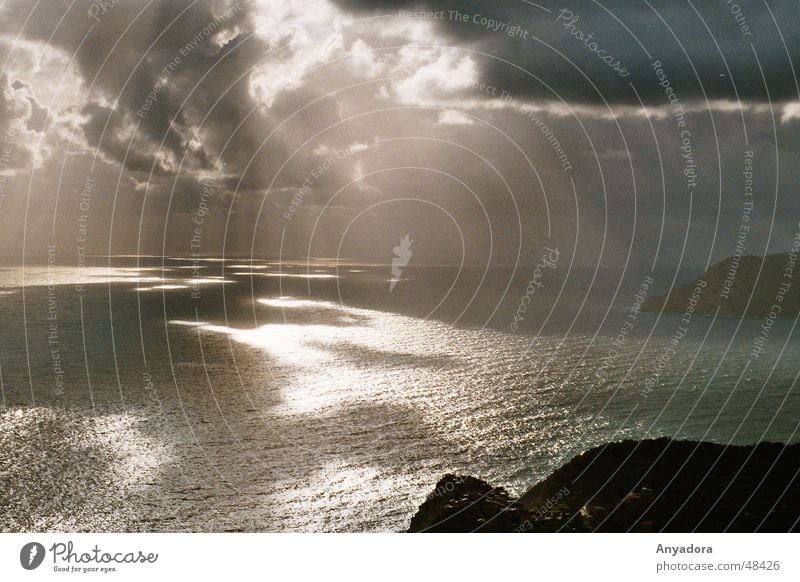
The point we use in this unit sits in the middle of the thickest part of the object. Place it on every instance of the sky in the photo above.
(651, 135)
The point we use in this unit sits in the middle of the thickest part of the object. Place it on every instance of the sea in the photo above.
(206, 394)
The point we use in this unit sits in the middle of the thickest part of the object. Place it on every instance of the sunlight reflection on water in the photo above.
(331, 417)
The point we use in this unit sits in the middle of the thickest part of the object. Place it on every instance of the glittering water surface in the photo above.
(267, 403)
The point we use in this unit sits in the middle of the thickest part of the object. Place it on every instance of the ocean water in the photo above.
(150, 394)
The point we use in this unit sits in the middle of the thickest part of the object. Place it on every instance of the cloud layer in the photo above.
(617, 129)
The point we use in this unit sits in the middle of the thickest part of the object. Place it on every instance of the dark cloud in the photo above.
(165, 128)
(545, 59)
(164, 65)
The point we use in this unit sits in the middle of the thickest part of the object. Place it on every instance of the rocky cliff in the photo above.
(641, 486)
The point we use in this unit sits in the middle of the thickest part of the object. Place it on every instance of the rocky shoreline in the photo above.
(658, 485)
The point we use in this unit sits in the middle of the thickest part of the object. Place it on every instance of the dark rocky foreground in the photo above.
(640, 486)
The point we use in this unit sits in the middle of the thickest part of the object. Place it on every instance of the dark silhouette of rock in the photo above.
(466, 504)
(651, 485)
(730, 284)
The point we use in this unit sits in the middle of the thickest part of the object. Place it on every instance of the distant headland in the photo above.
(746, 286)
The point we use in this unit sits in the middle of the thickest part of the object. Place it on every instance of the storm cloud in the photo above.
(570, 51)
(617, 130)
